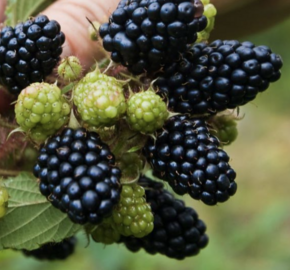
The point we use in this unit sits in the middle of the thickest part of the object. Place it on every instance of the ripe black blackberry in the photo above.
(29, 52)
(225, 74)
(188, 157)
(145, 35)
(53, 251)
(177, 233)
(77, 174)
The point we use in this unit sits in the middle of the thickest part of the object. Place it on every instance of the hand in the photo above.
(71, 15)
(2, 10)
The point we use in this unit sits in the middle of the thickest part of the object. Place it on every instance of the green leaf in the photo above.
(21, 10)
(31, 220)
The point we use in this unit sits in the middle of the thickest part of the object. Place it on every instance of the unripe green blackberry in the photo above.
(132, 216)
(69, 69)
(99, 99)
(210, 13)
(105, 233)
(41, 110)
(146, 111)
(225, 128)
(3, 201)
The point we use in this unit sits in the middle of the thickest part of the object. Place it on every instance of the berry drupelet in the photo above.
(188, 157)
(144, 35)
(77, 174)
(53, 251)
(29, 52)
(224, 75)
(177, 233)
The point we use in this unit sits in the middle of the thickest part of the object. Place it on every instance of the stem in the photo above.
(5, 124)
(4, 172)
(117, 149)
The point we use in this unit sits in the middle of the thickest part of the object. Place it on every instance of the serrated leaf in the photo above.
(21, 10)
(31, 220)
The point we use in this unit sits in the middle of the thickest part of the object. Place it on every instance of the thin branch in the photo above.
(5, 173)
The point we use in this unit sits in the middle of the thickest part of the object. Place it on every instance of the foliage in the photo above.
(20, 10)
(31, 220)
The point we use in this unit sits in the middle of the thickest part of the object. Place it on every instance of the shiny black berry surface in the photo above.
(78, 175)
(222, 75)
(144, 35)
(29, 52)
(188, 157)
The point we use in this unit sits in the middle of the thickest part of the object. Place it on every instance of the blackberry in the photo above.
(146, 111)
(77, 174)
(29, 52)
(132, 215)
(145, 35)
(224, 128)
(225, 74)
(210, 13)
(188, 157)
(41, 110)
(99, 99)
(105, 233)
(53, 251)
(70, 69)
(177, 233)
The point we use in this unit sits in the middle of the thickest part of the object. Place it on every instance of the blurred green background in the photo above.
(252, 229)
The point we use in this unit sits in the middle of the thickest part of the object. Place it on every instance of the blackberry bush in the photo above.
(145, 35)
(188, 157)
(29, 52)
(104, 132)
(77, 174)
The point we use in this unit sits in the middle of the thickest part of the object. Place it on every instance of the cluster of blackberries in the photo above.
(77, 171)
(188, 157)
(29, 52)
(215, 77)
(53, 251)
(177, 233)
(77, 174)
(144, 35)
